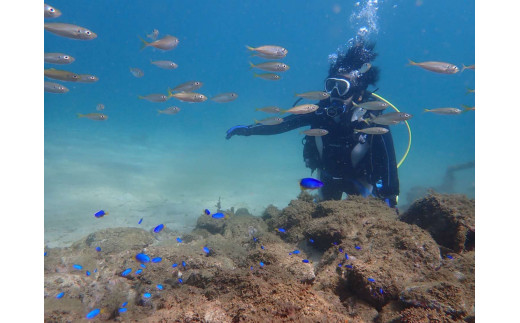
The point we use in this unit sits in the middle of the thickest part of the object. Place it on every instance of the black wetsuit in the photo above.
(376, 164)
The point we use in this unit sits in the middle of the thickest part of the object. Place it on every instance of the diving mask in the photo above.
(341, 86)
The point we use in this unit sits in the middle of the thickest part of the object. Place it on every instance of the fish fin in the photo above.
(257, 109)
(463, 68)
(170, 94)
(145, 43)
(250, 48)
(140, 97)
(79, 115)
(468, 90)
(159, 111)
(410, 62)
(251, 65)
(256, 75)
(356, 131)
(427, 110)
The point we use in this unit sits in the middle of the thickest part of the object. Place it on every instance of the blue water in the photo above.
(168, 168)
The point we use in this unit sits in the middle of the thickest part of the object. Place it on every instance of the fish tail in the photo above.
(251, 65)
(410, 62)
(257, 109)
(467, 108)
(356, 131)
(256, 75)
(257, 122)
(159, 111)
(468, 90)
(79, 115)
(250, 48)
(283, 111)
(355, 104)
(463, 68)
(427, 110)
(170, 94)
(145, 43)
(140, 97)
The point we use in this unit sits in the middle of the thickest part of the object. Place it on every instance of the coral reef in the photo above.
(353, 260)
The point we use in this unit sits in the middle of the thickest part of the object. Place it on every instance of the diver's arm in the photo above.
(289, 123)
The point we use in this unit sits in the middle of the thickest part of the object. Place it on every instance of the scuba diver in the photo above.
(346, 160)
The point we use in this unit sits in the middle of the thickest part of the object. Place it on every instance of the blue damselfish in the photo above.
(310, 183)
(93, 313)
(142, 258)
(158, 228)
(100, 214)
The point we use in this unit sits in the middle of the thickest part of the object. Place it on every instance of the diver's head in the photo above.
(346, 77)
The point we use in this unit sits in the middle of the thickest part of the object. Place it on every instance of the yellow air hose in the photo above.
(407, 126)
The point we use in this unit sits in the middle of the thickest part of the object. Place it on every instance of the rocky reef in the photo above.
(353, 260)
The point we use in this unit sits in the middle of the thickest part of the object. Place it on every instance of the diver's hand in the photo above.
(237, 130)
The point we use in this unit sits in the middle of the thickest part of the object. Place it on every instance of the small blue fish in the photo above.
(140, 221)
(158, 228)
(335, 243)
(183, 263)
(310, 184)
(147, 295)
(95, 270)
(179, 240)
(87, 273)
(281, 230)
(124, 304)
(123, 309)
(206, 249)
(251, 268)
(93, 313)
(159, 287)
(219, 216)
(142, 258)
(296, 252)
(126, 272)
(449, 256)
(255, 239)
(143, 266)
(45, 253)
(207, 212)
(262, 247)
(100, 214)
(339, 265)
(311, 240)
(349, 266)
(138, 271)
(98, 249)
(346, 256)
(357, 247)
(60, 295)
(180, 280)
(78, 267)
(156, 259)
(381, 290)
(371, 280)
(261, 264)
(305, 261)
(340, 250)
(174, 265)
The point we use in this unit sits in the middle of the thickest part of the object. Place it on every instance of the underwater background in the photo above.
(169, 168)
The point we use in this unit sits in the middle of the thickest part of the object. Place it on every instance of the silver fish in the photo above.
(270, 121)
(58, 58)
(372, 105)
(167, 65)
(269, 51)
(372, 130)
(87, 78)
(225, 97)
(391, 118)
(444, 111)
(60, 75)
(271, 66)
(314, 95)
(315, 132)
(270, 109)
(268, 76)
(100, 107)
(437, 67)
(189, 86)
(50, 11)
(153, 35)
(302, 109)
(365, 68)
(155, 97)
(93, 116)
(189, 97)
(69, 31)
(357, 114)
(170, 110)
(166, 43)
(137, 72)
(55, 87)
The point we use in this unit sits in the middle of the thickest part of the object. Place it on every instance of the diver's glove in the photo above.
(238, 130)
